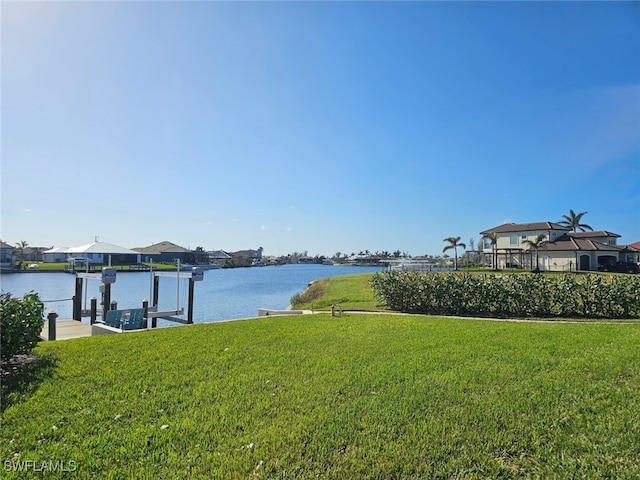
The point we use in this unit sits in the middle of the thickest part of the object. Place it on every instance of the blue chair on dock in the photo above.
(114, 318)
(135, 320)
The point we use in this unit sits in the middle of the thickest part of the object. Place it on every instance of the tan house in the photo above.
(633, 255)
(564, 251)
(170, 253)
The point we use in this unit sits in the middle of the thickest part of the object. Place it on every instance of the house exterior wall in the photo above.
(554, 261)
(632, 257)
(606, 240)
(558, 261)
(505, 240)
(184, 257)
(98, 258)
(57, 257)
(561, 261)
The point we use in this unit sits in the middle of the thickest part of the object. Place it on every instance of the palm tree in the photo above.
(536, 243)
(493, 238)
(454, 242)
(21, 246)
(573, 221)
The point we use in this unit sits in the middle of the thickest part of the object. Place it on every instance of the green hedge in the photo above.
(509, 295)
(21, 321)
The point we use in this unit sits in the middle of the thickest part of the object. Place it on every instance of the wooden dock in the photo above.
(67, 329)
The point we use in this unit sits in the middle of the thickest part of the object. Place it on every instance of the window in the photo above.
(514, 240)
(524, 237)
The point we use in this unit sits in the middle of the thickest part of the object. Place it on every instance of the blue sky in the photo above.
(317, 126)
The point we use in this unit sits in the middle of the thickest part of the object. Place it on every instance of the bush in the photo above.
(314, 291)
(522, 295)
(20, 324)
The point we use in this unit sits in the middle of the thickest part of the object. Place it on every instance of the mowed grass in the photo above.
(351, 292)
(315, 396)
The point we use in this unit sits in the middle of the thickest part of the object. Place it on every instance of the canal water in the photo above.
(224, 294)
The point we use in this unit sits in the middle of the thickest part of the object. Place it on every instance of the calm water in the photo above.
(224, 294)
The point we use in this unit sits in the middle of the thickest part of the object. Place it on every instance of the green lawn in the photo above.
(315, 396)
(352, 292)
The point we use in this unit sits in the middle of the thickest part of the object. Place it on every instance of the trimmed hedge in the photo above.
(509, 295)
(21, 321)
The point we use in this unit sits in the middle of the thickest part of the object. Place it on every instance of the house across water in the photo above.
(563, 251)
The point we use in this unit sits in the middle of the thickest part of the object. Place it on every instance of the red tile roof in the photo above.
(595, 234)
(525, 227)
(635, 246)
(570, 243)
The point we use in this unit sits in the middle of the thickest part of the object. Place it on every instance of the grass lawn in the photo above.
(352, 292)
(315, 396)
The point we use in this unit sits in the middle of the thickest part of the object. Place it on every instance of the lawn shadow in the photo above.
(21, 376)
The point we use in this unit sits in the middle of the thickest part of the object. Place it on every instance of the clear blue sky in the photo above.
(321, 126)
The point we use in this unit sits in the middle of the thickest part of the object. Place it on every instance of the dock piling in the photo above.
(145, 305)
(94, 310)
(51, 317)
(77, 300)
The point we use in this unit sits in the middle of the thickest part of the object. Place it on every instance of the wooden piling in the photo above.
(190, 311)
(145, 305)
(156, 293)
(77, 300)
(106, 300)
(94, 310)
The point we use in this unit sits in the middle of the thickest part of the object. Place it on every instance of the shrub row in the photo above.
(21, 321)
(510, 295)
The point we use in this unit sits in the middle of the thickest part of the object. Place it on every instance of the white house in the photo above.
(55, 255)
(564, 250)
(96, 252)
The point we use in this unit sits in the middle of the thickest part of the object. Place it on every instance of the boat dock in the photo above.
(67, 329)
